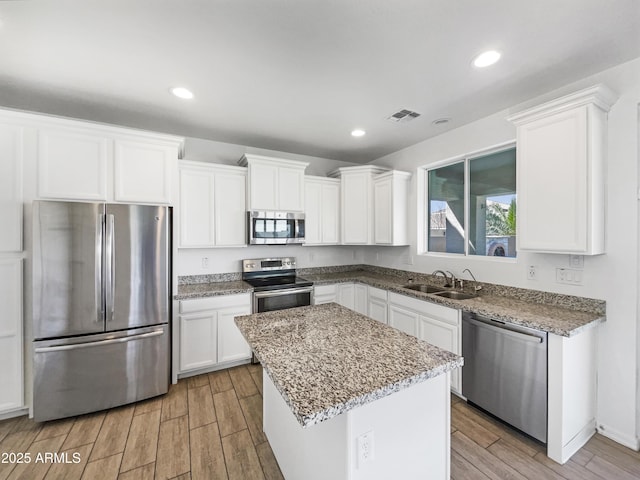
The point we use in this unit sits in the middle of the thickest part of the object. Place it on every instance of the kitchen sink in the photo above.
(422, 288)
(452, 294)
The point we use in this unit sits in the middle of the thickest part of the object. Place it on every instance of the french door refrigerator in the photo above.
(101, 290)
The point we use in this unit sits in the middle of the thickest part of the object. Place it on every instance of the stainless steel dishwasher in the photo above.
(505, 372)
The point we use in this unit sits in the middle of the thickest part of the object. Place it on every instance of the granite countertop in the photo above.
(326, 360)
(200, 290)
(560, 320)
(565, 317)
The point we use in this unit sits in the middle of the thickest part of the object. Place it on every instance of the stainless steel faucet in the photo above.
(477, 287)
(456, 282)
(446, 277)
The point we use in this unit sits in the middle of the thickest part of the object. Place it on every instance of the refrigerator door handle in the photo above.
(76, 346)
(109, 277)
(98, 266)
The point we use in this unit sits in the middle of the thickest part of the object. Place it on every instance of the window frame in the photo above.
(423, 201)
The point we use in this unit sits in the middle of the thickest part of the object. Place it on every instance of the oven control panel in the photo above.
(268, 264)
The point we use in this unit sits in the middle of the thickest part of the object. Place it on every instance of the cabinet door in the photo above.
(72, 165)
(403, 319)
(11, 393)
(144, 171)
(231, 344)
(198, 340)
(346, 295)
(313, 213)
(263, 180)
(330, 213)
(378, 310)
(445, 336)
(11, 151)
(290, 190)
(356, 200)
(196, 208)
(230, 209)
(325, 294)
(382, 207)
(360, 298)
(552, 215)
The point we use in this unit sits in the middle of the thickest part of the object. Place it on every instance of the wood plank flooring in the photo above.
(210, 427)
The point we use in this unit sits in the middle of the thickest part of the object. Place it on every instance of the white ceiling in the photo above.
(299, 75)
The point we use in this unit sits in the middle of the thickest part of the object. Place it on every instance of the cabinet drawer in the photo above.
(378, 294)
(442, 313)
(214, 303)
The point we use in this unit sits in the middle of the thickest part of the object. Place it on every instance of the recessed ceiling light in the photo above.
(486, 58)
(358, 133)
(441, 121)
(182, 92)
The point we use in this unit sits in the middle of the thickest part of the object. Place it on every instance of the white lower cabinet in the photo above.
(325, 294)
(377, 304)
(353, 296)
(438, 325)
(346, 295)
(403, 319)
(208, 334)
(11, 355)
(442, 327)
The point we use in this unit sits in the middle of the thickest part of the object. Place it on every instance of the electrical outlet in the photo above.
(365, 448)
(576, 261)
(205, 262)
(532, 273)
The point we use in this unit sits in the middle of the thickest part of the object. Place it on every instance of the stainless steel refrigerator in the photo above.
(101, 290)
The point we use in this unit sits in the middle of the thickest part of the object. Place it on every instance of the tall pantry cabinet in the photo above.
(53, 158)
(11, 267)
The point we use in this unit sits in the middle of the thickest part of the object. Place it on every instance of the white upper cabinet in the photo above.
(322, 211)
(212, 210)
(275, 184)
(84, 161)
(11, 152)
(390, 196)
(144, 171)
(357, 203)
(561, 153)
(374, 205)
(72, 164)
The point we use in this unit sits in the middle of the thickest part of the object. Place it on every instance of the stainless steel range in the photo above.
(275, 284)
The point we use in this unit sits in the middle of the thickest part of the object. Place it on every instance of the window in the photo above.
(471, 205)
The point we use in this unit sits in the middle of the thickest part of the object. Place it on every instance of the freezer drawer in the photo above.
(85, 374)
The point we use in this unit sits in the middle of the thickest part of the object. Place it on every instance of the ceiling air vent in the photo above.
(403, 116)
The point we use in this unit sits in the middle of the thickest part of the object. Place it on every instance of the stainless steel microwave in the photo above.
(275, 228)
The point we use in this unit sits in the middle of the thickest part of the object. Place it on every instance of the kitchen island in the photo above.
(346, 397)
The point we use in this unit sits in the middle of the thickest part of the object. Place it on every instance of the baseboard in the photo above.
(623, 439)
(219, 366)
(563, 454)
(14, 413)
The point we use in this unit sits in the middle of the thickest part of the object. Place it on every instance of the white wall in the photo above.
(200, 150)
(224, 260)
(612, 277)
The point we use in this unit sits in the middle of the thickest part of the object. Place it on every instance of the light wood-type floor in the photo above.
(209, 427)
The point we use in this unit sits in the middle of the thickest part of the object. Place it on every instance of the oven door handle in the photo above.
(286, 291)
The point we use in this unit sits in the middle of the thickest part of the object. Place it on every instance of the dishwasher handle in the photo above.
(506, 329)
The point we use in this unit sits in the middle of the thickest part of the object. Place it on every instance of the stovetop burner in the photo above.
(272, 274)
(276, 283)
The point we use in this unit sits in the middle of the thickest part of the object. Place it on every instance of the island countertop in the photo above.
(326, 360)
